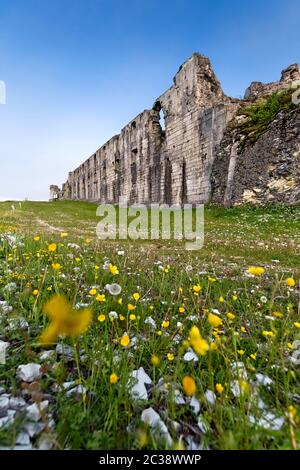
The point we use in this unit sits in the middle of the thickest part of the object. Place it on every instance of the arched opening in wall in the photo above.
(162, 122)
(134, 154)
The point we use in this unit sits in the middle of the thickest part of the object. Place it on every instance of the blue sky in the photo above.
(77, 71)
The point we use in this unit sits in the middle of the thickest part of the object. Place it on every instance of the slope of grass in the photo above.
(258, 328)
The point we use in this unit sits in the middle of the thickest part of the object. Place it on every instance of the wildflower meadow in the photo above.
(145, 345)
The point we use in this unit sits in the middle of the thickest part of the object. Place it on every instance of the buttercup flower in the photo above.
(219, 388)
(52, 247)
(199, 344)
(100, 297)
(113, 269)
(189, 385)
(197, 288)
(125, 340)
(65, 320)
(136, 296)
(214, 320)
(269, 334)
(230, 316)
(113, 379)
(56, 266)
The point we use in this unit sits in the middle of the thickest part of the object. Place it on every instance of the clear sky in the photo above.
(76, 71)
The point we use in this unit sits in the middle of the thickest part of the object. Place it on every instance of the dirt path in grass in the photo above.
(48, 227)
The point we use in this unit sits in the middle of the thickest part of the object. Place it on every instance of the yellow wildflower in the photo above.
(290, 282)
(65, 320)
(221, 299)
(136, 296)
(93, 292)
(52, 247)
(56, 266)
(170, 356)
(64, 234)
(230, 316)
(181, 309)
(37, 238)
(189, 385)
(256, 270)
(132, 316)
(125, 340)
(219, 388)
(197, 288)
(100, 297)
(214, 320)
(113, 379)
(297, 324)
(241, 352)
(130, 307)
(155, 360)
(269, 334)
(165, 324)
(101, 318)
(211, 279)
(199, 344)
(35, 292)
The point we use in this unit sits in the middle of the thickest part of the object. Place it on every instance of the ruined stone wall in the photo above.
(150, 163)
(195, 155)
